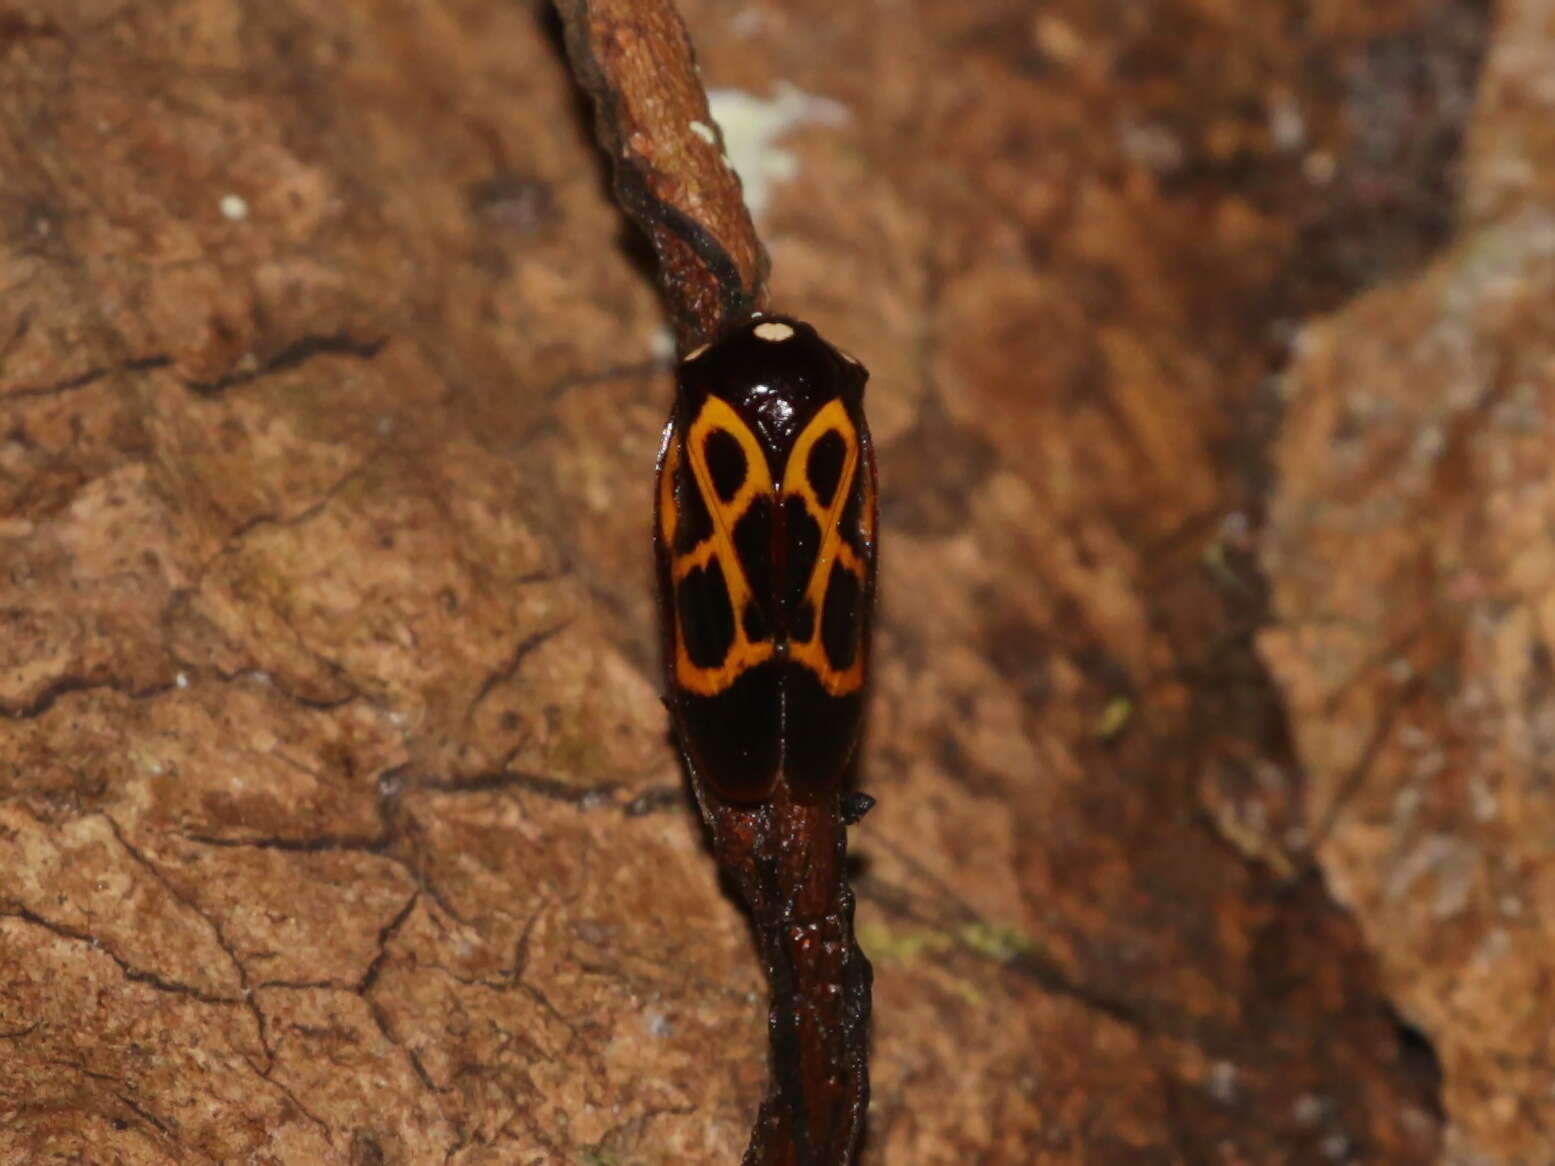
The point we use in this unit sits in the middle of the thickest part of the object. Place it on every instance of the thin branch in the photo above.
(634, 59)
(787, 859)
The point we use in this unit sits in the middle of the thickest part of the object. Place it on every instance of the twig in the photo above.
(788, 859)
(634, 59)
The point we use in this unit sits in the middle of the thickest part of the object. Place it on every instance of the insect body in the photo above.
(765, 541)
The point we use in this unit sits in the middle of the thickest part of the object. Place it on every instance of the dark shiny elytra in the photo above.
(753, 537)
(851, 521)
(801, 620)
(733, 737)
(824, 467)
(822, 731)
(776, 718)
(693, 522)
(726, 463)
(801, 546)
(706, 615)
(754, 623)
(840, 612)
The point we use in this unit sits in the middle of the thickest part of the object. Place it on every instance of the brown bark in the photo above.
(338, 818)
(1413, 565)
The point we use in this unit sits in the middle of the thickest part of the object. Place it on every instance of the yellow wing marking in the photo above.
(669, 517)
(834, 551)
(743, 653)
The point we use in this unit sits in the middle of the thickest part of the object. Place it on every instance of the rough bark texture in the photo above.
(338, 819)
(1412, 552)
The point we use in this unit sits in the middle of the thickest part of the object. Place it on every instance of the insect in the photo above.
(764, 535)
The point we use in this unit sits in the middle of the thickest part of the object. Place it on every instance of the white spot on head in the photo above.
(848, 356)
(704, 131)
(234, 207)
(773, 330)
(694, 353)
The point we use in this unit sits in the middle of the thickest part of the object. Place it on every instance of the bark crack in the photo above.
(81, 380)
(151, 979)
(298, 353)
(68, 685)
